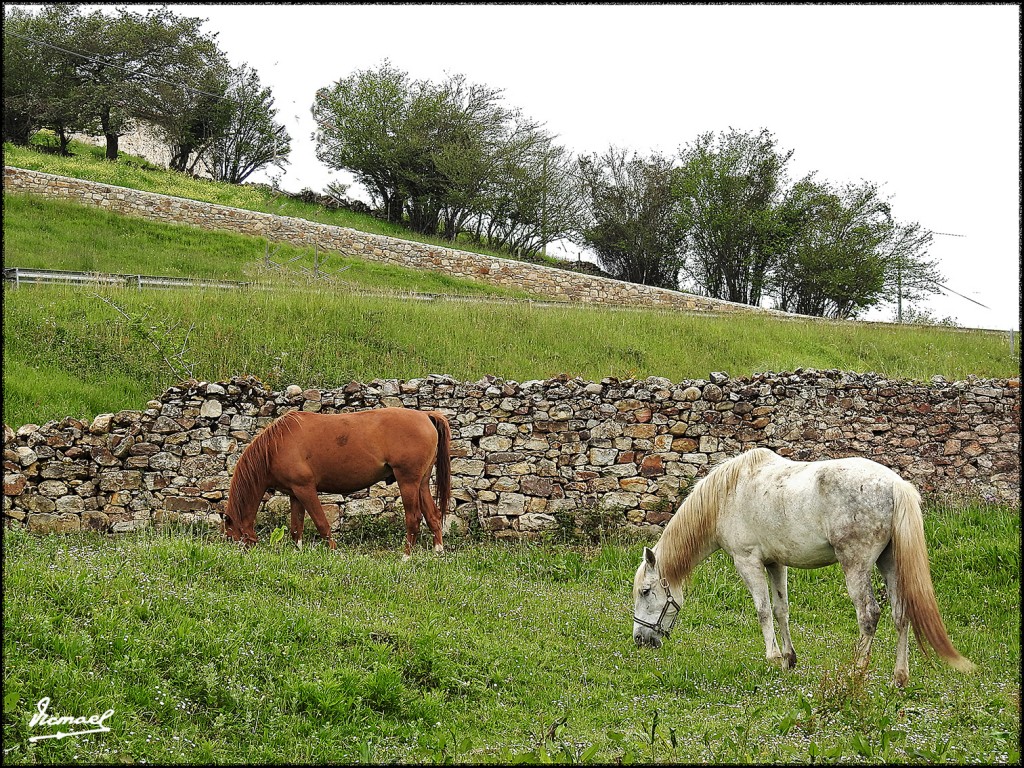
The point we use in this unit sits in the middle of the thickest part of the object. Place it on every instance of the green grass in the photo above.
(87, 162)
(43, 233)
(81, 351)
(207, 653)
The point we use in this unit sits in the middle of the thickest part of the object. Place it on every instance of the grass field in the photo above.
(496, 654)
(87, 162)
(81, 351)
(207, 653)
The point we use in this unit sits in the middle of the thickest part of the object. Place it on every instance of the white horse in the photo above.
(767, 513)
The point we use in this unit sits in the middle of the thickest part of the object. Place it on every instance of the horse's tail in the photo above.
(913, 577)
(249, 480)
(444, 460)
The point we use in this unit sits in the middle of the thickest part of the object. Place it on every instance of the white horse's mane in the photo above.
(693, 525)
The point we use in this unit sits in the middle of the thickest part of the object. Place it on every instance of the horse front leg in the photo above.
(751, 570)
(308, 498)
(780, 603)
(298, 521)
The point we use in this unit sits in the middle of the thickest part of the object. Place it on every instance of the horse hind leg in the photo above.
(780, 606)
(431, 513)
(858, 586)
(409, 488)
(887, 565)
(307, 497)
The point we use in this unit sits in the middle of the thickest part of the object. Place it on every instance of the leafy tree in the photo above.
(97, 72)
(471, 139)
(446, 158)
(252, 139)
(909, 274)
(833, 268)
(361, 127)
(848, 254)
(40, 89)
(192, 117)
(128, 57)
(534, 197)
(730, 193)
(631, 221)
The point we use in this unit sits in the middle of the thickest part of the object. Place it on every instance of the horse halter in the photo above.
(658, 626)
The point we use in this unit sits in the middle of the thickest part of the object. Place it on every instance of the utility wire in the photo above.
(100, 60)
(947, 288)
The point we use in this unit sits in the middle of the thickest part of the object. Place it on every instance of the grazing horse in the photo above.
(303, 453)
(767, 513)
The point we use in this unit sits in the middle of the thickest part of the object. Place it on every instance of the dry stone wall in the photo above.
(554, 283)
(528, 457)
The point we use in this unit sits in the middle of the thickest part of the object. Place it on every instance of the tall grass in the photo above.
(208, 653)
(106, 349)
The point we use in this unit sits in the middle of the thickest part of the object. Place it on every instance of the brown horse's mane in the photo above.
(692, 527)
(247, 487)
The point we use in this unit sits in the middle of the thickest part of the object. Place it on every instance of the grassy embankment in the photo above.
(83, 351)
(78, 352)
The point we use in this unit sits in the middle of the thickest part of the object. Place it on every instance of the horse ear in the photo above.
(649, 558)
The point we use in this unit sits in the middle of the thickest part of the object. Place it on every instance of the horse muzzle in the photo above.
(646, 637)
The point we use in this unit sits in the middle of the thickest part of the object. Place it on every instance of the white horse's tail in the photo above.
(914, 577)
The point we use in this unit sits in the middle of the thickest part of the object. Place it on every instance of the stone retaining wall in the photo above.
(544, 281)
(527, 457)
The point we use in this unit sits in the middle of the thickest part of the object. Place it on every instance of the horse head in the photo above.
(231, 528)
(654, 606)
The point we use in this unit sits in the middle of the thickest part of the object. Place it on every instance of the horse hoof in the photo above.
(439, 551)
(406, 558)
(331, 544)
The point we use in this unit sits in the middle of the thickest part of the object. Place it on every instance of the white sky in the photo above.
(924, 100)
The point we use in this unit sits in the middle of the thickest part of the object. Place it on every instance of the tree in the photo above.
(730, 193)
(533, 196)
(832, 268)
(361, 121)
(252, 139)
(127, 57)
(443, 156)
(473, 134)
(190, 117)
(847, 254)
(40, 87)
(909, 274)
(631, 220)
(98, 72)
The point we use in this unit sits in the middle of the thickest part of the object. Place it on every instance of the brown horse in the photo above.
(302, 453)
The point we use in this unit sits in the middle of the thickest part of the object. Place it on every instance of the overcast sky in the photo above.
(924, 100)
